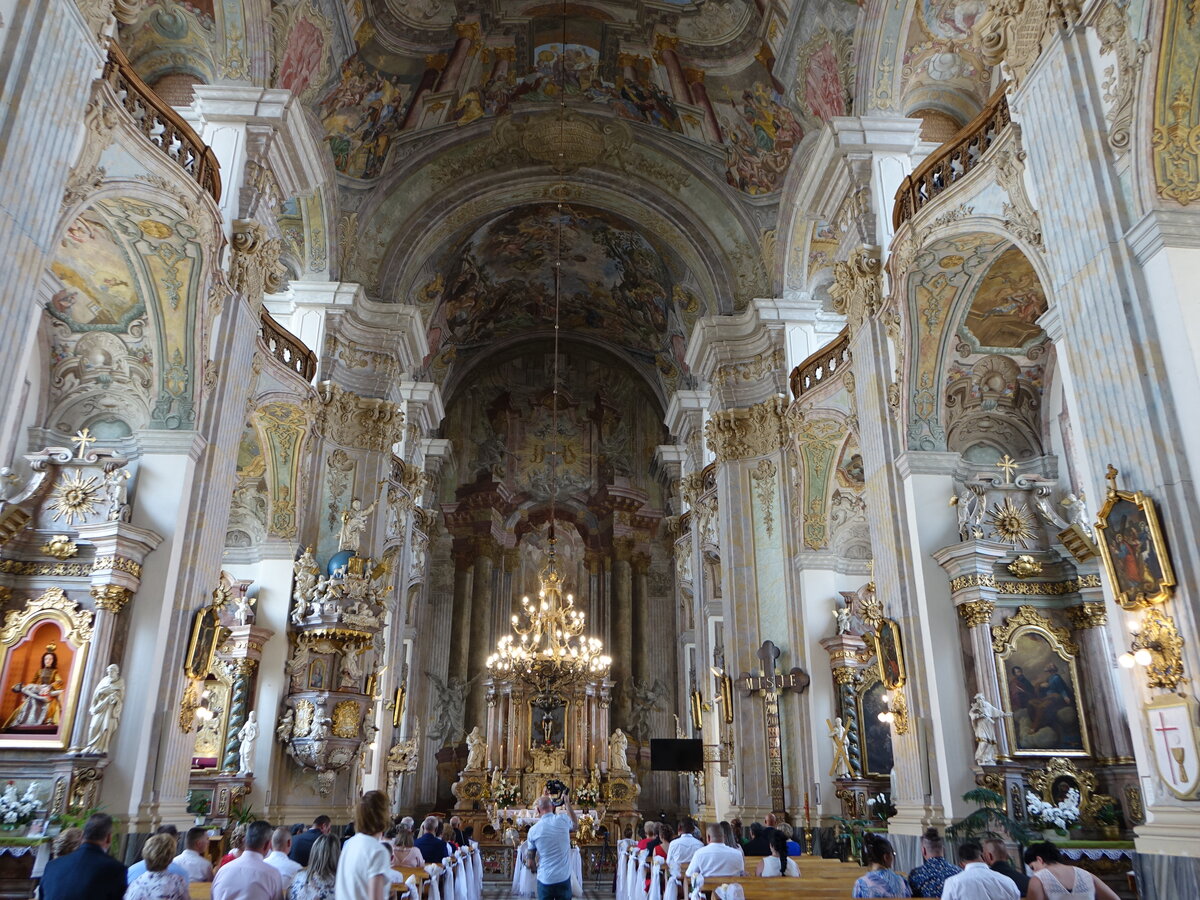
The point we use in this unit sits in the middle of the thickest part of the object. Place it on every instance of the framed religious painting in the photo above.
(889, 652)
(43, 651)
(1132, 547)
(1039, 681)
(207, 634)
(877, 736)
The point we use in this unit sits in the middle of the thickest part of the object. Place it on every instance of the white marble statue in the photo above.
(242, 609)
(476, 750)
(497, 778)
(286, 726)
(618, 745)
(1077, 513)
(352, 672)
(984, 717)
(971, 508)
(354, 523)
(248, 735)
(842, 614)
(108, 699)
(116, 487)
(841, 755)
(297, 667)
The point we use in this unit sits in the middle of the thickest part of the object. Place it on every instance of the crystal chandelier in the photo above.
(548, 648)
(549, 651)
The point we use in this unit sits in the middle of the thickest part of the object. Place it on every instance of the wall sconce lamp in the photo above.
(1157, 647)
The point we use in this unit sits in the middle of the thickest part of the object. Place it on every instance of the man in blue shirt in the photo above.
(927, 879)
(89, 871)
(550, 836)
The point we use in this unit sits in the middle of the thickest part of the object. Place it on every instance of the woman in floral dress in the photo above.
(156, 883)
(880, 880)
(317, 881)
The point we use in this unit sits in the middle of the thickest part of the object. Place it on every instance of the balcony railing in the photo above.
(287, 348)
(952, 161)
(822, 365)
(162, 126)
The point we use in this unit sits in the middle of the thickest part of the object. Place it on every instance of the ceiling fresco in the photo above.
(1007, 304)
(617, 285)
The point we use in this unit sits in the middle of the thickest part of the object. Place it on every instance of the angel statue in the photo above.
(354, 523)
(1077, 513)
(842, 615)
(971, 508)
(451, 704)
(286, 726)
(983, 719)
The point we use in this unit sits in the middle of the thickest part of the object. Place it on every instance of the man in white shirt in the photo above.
(281, 844)
(249, 877)
(681, 850)
(977, 881)
(715, 859)
(550, 836)
(194, 858)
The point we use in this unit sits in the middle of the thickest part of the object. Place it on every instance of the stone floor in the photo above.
(495, 890)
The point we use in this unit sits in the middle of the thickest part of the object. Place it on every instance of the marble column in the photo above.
(241, 674)
(642, 667)
(460, 634)
(1108, 724)
(479, 623)
(664, 47)
(429, 78)
(622, 631)
(699, 95)
(468, 37)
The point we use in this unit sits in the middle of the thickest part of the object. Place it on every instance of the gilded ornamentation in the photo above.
(188, 706)
(60, 547)
(77, 621)
(565, 142)
(1002, 635)
(1035, 588)
(976, 612)
(75, 497)
(857, 290)
(1176, 137)
(345, 719)
(1087, 615)
(61, 570)
(763, 478)
(844, 675)
(899, 709)
(1011, 523)
(746, 433)
(1015, 31)
(1044, 780)
(1160, 636)
(111, 597)
(1133, 804)
(1025, 566)
(305, 712)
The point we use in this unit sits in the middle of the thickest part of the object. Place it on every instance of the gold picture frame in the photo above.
(207, 635)
(1131, 545)
(889, 654)
(1046, 717)
(43, 657)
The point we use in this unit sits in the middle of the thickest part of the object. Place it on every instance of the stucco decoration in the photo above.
(1176, 138)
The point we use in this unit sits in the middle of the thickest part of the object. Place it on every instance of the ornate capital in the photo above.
(857, 290)
(354, 421)
(976, 612)
(1016, 31)
(111, 597)
(1087, 615)
(255, 267)
(844, 675)
(746, 433)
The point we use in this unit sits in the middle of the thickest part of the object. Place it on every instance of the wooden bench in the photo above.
(200, 890)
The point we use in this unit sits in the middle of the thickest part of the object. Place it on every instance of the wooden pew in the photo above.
(200, 890)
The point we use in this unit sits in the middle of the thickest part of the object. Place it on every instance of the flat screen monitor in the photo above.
(676, 755)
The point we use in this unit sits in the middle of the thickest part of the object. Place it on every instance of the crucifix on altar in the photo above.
(771, 686)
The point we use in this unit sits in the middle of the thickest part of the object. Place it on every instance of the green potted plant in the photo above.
(1109, 821)
(988, 820)
(854, 830)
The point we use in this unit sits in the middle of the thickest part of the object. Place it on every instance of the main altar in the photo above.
(548, 695)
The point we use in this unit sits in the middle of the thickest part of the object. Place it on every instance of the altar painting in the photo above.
(1040, 688)
(43, 649)
(877, 736)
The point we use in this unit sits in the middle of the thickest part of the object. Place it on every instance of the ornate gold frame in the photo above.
(860, 690)
(894, 627)
(76, 623)
(198, 669)
(1042, 781)
(1132, 599)
(1028, 619)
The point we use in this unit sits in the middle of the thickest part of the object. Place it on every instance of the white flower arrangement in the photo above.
(1047, 815)
(16, 810)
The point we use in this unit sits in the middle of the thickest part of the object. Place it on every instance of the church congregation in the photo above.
(599, 449)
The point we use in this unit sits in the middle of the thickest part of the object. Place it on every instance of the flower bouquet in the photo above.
(506, 793)
(881, 807)
(588, 796)
(1050, 817)
(16, 810)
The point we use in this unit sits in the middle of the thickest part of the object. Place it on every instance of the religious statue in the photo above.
(594, 779)
(841, 756)
(297, 667)
(116, 481)
(287, 723)
(842, 615)
(476, 750)
(1077, 513)
(983, 719)
(644, 698)
(618, 746)
(497, 780)
(40, 704)
(248, 735)
(971, 508)
(243, 608)
(351, 672)
(107, 702)
(354, 523)
(451, 704)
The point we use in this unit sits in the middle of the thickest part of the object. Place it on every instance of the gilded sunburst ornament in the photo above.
(1011, 523)
(74, 498)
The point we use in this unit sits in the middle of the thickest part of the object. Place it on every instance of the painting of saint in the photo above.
(1007, 304)
(877, 745)
(824, 93)
(39, 677)
(890, 654)
(759, 140)
(1042, 695)
(1136, 568)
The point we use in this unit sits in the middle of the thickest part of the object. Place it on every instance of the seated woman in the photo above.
(1053, 878)
(318, 880)
(404, 853)
(881, 880)
(778, 863)
(156, 883)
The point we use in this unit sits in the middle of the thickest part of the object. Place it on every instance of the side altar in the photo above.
(548, 696)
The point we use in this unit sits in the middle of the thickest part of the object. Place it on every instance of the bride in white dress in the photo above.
(1054, 879)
